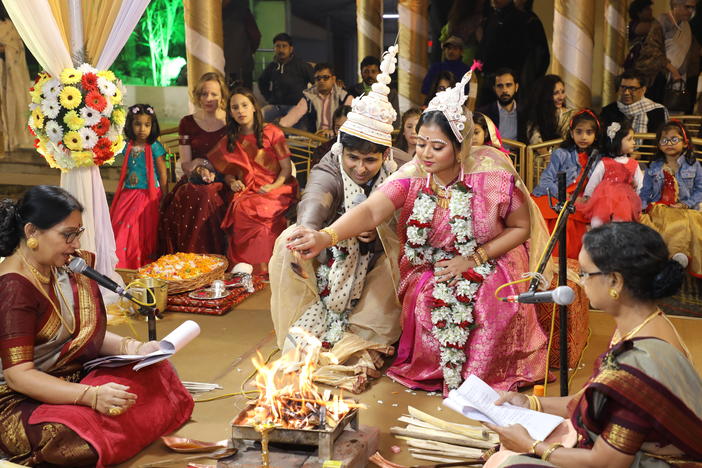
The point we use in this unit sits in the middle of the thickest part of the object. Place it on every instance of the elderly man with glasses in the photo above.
(318, 103)
(646, 116)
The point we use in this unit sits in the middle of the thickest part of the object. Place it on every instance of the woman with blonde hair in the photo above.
(192, 213)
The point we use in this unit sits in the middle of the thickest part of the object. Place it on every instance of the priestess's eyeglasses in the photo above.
(584, 275)
(70, 236)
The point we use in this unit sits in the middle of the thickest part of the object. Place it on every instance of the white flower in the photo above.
(107, 111)
(90, 115)
(53, 131)
(51, 89)
(612, 130)
(86, 68)
(106, 87)
(32, 106)
(50, 108)
(89, 137)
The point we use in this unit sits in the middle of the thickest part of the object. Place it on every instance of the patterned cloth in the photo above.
(638, 113)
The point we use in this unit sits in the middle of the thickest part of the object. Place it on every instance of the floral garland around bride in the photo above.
(452, 314)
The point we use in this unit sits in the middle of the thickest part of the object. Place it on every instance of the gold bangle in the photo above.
(476, 258)
(82, 394)
(95, 398)
(332, 233)
(535, 403)
(141, 343)
(483, 254)
(533, 446)
(549, 451)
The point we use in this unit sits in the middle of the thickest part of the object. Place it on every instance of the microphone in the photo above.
(78, 265)
(562, 295)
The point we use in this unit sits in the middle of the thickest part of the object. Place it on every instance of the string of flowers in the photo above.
(452, 312)
(335, 324)
(77, 118)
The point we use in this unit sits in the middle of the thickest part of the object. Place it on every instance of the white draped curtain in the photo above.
(45, 26)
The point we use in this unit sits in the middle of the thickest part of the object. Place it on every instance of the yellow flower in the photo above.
(118, 144)
(119, 117)
(70, 97)
(70, 76)
(73, 141)
(38, 117)
(82, 158)
(117, 98)
(107, 74)
(73, 120)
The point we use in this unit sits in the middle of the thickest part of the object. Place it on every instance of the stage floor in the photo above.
(222, 354)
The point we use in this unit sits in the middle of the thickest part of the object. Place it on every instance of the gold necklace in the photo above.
(443, 194)
(636, 329)
(37, 274)
(70, 330)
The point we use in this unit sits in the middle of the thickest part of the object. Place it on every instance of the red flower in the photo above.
(416, 223)
(31, 131)
(472, 275)
(102, 151)
(454, 345)
(326, 345)
(427, 190)
(96, 101)
(439, 303)
(464, 324)
(441, 324)
(102, 126)
(330, 262)
(36, 142)
(324, 292)
(89, 81)
(463, 299)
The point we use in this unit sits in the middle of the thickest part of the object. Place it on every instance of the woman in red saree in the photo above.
(641, 408)
(191, 214)
(256, 159)
(52, 322)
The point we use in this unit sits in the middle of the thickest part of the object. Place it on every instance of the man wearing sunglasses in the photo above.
(314, 111)
(646, 116)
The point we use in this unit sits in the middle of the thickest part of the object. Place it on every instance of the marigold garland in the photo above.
(77, 119)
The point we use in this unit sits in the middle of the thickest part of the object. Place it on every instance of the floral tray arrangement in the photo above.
(186, 271)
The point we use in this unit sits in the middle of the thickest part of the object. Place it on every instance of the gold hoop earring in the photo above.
(32, 243)
(614, 294)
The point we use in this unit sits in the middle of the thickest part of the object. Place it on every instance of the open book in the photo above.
(170, 345)
(476, 400)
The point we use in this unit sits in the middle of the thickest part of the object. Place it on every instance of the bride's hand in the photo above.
(308, 241)
(451, 270)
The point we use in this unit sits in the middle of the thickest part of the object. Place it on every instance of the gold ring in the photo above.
(115, 411)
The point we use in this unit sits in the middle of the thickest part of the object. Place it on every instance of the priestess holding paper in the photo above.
(51, 322)
(642, 406)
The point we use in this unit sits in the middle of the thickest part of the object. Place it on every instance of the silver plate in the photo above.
(207, 294)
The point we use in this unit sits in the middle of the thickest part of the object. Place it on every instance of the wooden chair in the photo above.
(537, 158)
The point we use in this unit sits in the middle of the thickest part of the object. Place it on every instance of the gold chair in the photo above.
(537, 158)
(169, 140)
(302, 144)
(693, 123)
(517, 153)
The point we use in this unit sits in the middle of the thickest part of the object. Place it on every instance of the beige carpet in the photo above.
(222, 354)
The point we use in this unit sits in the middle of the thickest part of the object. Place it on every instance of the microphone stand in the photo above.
(149, 312)
(559, 235)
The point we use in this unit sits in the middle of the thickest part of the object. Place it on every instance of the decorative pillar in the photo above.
(614, 46)
(412, 65)
(573, 32)
(203, 37)
(369, 24)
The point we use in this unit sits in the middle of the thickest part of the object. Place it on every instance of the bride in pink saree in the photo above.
(467, 226)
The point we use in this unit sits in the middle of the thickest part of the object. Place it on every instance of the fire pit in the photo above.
(290, 408)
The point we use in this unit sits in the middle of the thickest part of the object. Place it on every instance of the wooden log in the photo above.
(462, 429)
(458, 450)
(433, 458)
(428, 434)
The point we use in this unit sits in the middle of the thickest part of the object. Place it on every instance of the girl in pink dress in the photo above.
(464, 217)
(613, 189)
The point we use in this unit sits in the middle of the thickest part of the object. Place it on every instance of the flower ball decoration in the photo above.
(77, 118)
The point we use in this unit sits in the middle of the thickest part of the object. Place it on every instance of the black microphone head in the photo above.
(77, 265)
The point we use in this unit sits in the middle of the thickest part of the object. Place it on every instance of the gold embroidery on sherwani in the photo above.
(19, 354)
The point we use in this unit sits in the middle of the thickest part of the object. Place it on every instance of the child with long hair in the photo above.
(485, 132)
(616, 181)
(143, 180)
(407, 138)
(571, 157)
(672, 195)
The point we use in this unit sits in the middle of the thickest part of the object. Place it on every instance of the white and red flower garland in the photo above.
(452, 314)
(336, 323)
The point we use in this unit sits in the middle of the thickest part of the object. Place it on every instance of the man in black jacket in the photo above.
(646, 116)
(504, 112)
(284, 79)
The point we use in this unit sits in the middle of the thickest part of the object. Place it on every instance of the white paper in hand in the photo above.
(171, 344)
(476, 400)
